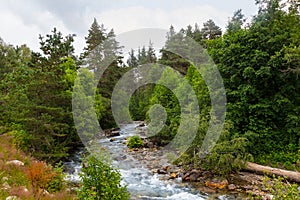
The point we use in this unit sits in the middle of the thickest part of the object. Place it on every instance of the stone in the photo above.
(167, 168)
(173, 175)
(12, 198)
(4, 179)
(207, 190)
(112, 133)
(112, 139)
(232, 187)
(148, 144)
(5, 186)
(161, 171)
(185, 176)
(45, 192)
(24, 189)
(15, 162)
(269, 196)
(191, 176)
(217, 184)
(194, 176)
(142, 124)
(248, 187)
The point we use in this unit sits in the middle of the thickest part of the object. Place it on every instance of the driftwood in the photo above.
(260, 169)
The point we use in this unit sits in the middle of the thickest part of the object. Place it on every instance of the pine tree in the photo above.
(95, 37)
(132, 61)
(151, 57)
(210, 30)
(236, 21)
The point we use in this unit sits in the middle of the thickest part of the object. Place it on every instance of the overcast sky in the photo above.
(22, 21)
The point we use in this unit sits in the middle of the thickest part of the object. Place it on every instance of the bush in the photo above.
(101, 181)
(43, 177)
(281, 188)
(135, 142)
(226, 157)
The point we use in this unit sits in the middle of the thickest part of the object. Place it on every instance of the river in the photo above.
(141, 182)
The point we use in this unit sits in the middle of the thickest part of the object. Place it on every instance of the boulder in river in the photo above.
(173, 175)
(142, 124)
(112, 133)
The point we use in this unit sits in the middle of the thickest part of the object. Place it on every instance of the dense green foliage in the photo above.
(135, 142)
(36, 97)
(263, 95)
(259, 64)
(281, 188)
(100, 181)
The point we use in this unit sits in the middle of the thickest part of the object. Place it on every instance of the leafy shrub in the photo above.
(101, 181)
(135, 142)
(43, 177)
(21, 138)
(57, 182)
(226, 157)
(281, 188)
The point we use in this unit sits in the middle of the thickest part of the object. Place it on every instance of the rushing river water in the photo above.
(141, 182)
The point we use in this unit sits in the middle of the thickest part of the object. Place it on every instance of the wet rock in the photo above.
(115, 129)
(161, 171)
(232, 187)
(173, 175)
(121, 157)
(112, 139)
(15, 162)
(112, 132)
(216, 183)
(142, 124)
(167, 168)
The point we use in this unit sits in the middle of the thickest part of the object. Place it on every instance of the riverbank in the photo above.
(242, 185)
(23, 177)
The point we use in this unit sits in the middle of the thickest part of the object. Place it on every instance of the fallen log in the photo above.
(260, 169)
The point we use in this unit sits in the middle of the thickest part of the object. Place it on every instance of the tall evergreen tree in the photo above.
(210, 30)
(236, 22)
(132, 61)
(151, 57)
(95, 37)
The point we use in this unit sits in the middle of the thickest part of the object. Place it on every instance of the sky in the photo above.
(22, 21)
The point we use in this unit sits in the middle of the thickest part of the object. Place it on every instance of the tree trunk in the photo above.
(260, 169)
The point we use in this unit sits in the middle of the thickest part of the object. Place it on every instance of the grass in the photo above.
(16, 177)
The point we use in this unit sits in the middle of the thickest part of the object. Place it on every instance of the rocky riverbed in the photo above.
(241, 185)
(149, 175)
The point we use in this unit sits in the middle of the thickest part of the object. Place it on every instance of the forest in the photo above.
(259, 63)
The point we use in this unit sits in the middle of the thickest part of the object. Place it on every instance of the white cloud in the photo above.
(21, 23)
(126, 19)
